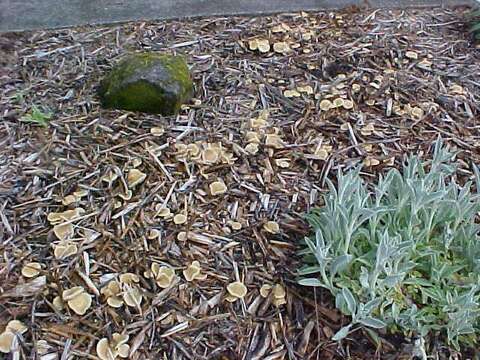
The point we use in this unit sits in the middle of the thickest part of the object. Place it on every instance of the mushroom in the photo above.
(367, 129)
(68, 215)
(263, 45)
(64, 249)
(63, 231)
(180, 219)
(291, 93)
(252, 137)
(31, 270)
(338, 102)
(252, 148)
(113, 292)
(347, 104)
(110, 177)
(235, 225)
(282, 163)
(8, 336)
(281, 47)
(157, 131)
(135, 177)
(237, 290)
(109, 350)
(274, 140)
(6, 341)
(77, 299)
(279, 295)
(162, 211)
(325, 105)
(210, 155)
(271, 227)
(265, 290)
(69, 199)
(217, 188)
(193, 272)
(307, 89)
(164, 275)
(132, 296)
(193, 150)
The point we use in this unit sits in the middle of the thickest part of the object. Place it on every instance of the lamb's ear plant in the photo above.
(474, 20)
(403, 254)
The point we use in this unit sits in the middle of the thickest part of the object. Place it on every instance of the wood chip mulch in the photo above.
(181, 232)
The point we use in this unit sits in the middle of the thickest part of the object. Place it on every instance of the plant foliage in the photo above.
(403, 254)
(475, 21)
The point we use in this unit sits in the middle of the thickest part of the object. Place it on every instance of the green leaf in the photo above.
(342, 333)
(310, 282)
(372, 322)
(349, 300)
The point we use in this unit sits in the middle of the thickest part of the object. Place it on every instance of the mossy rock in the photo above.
(148, 82)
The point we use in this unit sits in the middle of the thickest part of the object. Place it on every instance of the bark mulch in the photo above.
(154, 227)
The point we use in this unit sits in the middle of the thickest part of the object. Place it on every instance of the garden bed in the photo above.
(281, 103)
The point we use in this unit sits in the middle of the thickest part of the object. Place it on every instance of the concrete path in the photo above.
(17, 15)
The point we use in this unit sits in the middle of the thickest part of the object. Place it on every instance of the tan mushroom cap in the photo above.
(274, 140)
(325, 105)
(237, 289)
(265, 290)
(157, 131)
(180, 219)
(81, 303)
(69, 199)
(31, 270)
(281, 47)
(16, 326)
(210, 155)
(104, 351)
(6, 341)
(162, 211)
(132, 297)
(65, 249)
(272, 227)
(57, 217)
(263, 45)
(165, 276)
(77, 299)
(135, 177)
(129, 278)
(63, 231)
(252, 148)
(192, 271)
(58, 303)
(218, 188)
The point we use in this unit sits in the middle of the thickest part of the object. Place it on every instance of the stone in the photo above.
(147, 82)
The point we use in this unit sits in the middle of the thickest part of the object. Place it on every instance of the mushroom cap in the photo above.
(135, 177)
(252, 148)
(132, 297)
(272, 227)
(123, 350)
(69, 199)
(263, 45)
(325, 105)
(265, 290)
(210, 155)
(129, 278)
(237, 289)
(338, 102)
(104, 351)
(6, 341)
(58, 303)
(81, 303)
(218, 187)
(72, 293)
(114, 302)
(119, 339)
(180, 219)
(31, 270)
(191, 272)
(64, 249)
(63, 231)
(274, 141)
(16, 326)
(278, 292)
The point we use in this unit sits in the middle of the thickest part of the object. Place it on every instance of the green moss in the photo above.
(148, 82)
